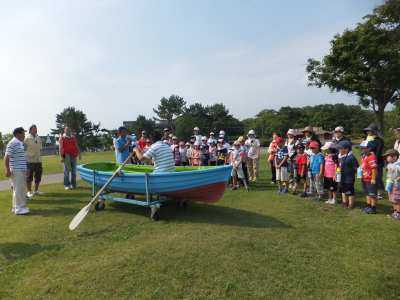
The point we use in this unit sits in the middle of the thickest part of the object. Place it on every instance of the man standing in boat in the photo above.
(160, 153)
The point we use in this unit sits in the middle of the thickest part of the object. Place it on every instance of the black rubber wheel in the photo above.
(184, 205)
(100, 206)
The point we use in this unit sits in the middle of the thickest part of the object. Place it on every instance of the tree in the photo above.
(77, 121)
(142, 123)
(365, 61)
(169, 109)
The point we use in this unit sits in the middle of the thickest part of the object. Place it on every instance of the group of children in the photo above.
(334, 168)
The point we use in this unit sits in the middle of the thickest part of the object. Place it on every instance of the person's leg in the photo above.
(20, 192)
(38, 176)
(344, 199)
(250, 169)
(67, 182)
(73, 171)
(256, 167)
(29, 177)
(273, 171)
(245, 172)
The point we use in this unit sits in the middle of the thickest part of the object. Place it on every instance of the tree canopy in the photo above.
(169, 109)
(365, 61)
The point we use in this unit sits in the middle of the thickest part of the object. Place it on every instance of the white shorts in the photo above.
(238, 172)
(282, 174)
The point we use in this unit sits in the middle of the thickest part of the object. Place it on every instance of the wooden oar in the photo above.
(84, 211)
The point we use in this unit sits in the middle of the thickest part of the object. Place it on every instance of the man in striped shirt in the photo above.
(16, 167)
(161, 155)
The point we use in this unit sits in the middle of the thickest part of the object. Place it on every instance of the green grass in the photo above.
(248, 245)
(52, 164)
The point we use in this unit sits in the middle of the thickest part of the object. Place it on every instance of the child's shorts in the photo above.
(370, 189)
(330, 184)
(282, 174)
(394, 196)
(238, 172)
(347, 189)
(316, 183)
(299, 178)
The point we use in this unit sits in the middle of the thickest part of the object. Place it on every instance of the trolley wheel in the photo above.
(100, 206)
(184, 205)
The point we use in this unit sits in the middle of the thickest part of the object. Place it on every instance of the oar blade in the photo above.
(79, 217)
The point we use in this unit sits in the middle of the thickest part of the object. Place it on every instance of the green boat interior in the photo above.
(112, 167)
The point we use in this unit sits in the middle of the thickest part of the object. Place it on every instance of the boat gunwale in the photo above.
(215, 169)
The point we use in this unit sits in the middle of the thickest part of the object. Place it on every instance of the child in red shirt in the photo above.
(369, 167)
(301, 163)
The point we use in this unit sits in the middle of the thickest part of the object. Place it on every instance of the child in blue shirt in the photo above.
(316, 169)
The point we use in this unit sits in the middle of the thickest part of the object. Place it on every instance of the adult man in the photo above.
(16, 167)
(69, 152)
(212, 139)
(160, 153)
(197, 135)
(253, 155)
(122, 144)
(339, 136)
(33, 147)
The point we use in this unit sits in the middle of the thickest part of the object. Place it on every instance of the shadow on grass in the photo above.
(16, 251)
(208, 214)
(54, 211)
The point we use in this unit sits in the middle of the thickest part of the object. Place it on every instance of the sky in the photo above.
(115, 59)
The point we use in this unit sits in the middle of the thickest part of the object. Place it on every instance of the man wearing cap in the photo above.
(122, 144)
(69, 152)
(339, 136)
(253, 155)
(15, 168)
(197, 135)
(33, 147)
(309, 136)
(212, 139)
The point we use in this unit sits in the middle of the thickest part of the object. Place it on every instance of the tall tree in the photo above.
(365, 61)
(169, 109)
(77, 121)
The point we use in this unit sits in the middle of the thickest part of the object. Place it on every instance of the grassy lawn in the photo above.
(248, 245)
(52, 164)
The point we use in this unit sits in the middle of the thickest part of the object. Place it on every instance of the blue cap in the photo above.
(344, 145)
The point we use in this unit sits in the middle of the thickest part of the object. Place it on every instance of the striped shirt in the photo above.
(162, 157)
(16, 152)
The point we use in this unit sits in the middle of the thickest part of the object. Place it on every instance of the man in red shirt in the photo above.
(69, 152)
(369, 167)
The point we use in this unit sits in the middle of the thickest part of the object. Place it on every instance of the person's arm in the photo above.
(140, 155)
(322, 169)
(77, 147)
(61, 148)
(373, 176)
(283, 161)
(7, 165)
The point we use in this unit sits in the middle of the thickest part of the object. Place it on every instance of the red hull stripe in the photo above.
(207, 193)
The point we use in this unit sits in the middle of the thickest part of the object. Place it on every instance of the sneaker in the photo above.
(303, 195)
(367, 209)
(29, 195)
(333, 202)
(67, 188)
(38, 193)
(396, 216)
(22, 211)
(71, 187)
(328, 201)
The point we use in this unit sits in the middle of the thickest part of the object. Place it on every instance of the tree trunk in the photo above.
(380, 119)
